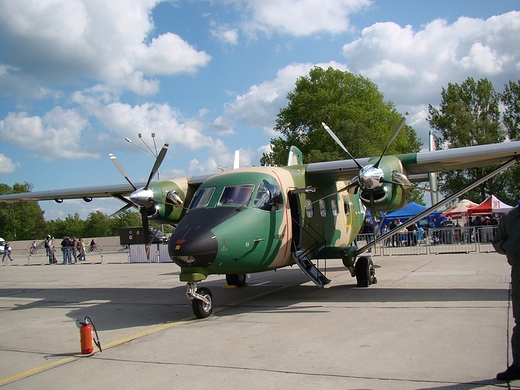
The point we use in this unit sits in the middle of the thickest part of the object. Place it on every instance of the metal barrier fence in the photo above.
(433, 241)
(103, 254)
(456, 239)
(135, 253)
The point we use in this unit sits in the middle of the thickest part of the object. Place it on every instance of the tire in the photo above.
(365, 273)
(200, 308)
(238, 280)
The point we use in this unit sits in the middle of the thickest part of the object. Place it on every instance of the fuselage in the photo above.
(252, 219)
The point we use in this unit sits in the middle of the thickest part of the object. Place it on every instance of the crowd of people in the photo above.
(73, 249)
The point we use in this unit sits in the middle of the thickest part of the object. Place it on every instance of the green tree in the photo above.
(98, 224)
(125, 219)
(21, 220)
(511, 101)
(469, 115)
(352, 106)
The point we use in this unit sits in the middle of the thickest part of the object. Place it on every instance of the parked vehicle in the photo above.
(2, 245)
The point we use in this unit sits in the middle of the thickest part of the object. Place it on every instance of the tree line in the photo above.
(471, 113)
(25, 220)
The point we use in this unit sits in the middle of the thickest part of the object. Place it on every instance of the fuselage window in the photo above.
(323, 208)
(334, 207)
(202, 197)
(309, 211)
(269, 197)
(346, 203)
(236, 195)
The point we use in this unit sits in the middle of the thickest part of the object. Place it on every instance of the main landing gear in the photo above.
(365, 272)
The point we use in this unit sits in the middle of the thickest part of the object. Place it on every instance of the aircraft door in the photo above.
(296, 221)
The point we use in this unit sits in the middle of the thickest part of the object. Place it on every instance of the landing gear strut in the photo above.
(201, 300)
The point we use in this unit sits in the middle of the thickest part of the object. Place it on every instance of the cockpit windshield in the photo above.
(202, 197)
(269, 197)
(236, 195)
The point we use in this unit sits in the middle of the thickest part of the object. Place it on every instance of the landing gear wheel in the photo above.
(365, 272)
(200, 308)
(238, 280)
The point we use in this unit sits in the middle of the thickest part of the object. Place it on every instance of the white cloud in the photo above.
(55, 135)
(7, 165)
(259, 106)
(400, 59)
(303, 17)
(225, 35)
(411, 67)
(107, 41)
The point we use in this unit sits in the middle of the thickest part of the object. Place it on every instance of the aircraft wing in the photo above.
(73, 193)
(417, 165)
(86, 193)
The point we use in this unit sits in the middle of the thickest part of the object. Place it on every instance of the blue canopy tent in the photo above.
(411, 210)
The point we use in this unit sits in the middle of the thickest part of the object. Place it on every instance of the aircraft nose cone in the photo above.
(193, 246)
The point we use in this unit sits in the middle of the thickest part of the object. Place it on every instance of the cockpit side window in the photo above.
(268, 197)
(202, 197)
(236, 195)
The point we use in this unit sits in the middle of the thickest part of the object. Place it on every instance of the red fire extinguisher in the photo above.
(86, 336)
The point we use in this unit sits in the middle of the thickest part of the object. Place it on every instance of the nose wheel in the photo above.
(201, 300)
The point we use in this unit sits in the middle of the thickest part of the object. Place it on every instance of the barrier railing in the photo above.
(457, 239)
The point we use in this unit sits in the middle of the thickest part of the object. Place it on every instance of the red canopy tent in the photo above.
(492, 205)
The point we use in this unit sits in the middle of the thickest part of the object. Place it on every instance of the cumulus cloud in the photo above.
(259, 106)
(411, 66)
(302, 17)
(423, 61)
(108, 41)
(57, 134)
(7, 165)
(225, 34)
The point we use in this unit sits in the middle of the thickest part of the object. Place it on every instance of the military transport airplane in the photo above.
(257, 219)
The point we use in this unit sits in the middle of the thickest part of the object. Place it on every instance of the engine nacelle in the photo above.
(387, 196)
(169, 198)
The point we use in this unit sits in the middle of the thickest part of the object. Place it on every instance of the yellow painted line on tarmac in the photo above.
(36, 370)
(124, 340)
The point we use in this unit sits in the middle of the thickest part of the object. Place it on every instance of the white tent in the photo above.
(459, 210)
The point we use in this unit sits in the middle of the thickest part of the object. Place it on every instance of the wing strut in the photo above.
(438, 205)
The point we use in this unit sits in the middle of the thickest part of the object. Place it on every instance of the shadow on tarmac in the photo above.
(116, 308)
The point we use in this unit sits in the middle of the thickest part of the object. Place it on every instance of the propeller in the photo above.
(371, 177)
(143, 198)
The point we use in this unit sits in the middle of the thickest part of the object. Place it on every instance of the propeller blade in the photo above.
(124, 208)
(121, 169)
(392, 138)
(157, 164)
(335, 138)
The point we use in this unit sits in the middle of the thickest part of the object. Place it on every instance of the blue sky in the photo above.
(77, 77)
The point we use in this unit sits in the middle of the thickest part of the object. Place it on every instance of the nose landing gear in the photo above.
(201, 300)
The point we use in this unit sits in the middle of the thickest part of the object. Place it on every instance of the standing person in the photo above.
(65, 248)
(7, 251)
(81, 249)
(74, 250)
(48, 248)
(507, 242)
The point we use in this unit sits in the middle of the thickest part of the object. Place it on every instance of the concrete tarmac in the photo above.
(431, 322)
